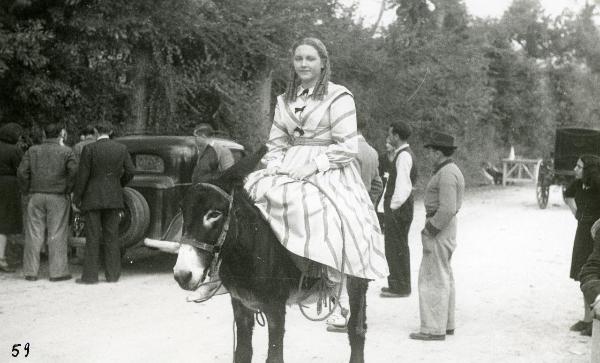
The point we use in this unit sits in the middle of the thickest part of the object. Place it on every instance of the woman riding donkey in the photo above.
(308, 208)
(311, 191)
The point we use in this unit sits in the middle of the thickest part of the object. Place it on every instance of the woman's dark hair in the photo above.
(591, 170)
(11, 133)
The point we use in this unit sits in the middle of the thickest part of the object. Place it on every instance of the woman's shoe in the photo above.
(338, 322)
(5, 267)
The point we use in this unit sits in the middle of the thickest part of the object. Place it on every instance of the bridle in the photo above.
(215, 248)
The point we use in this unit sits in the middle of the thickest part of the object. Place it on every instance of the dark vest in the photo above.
(391, 182)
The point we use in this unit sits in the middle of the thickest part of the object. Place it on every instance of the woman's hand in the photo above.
(271, 171)
(304, 171)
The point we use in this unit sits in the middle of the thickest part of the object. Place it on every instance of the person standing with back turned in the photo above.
(105, 168)
(47, 172)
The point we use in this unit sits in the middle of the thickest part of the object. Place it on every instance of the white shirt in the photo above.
(404, 185)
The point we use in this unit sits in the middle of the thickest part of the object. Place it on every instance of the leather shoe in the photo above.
(85, 282)
(580, 326)
(393, 294)
(425, 336)
(31, 278)
(587, 331)
(61, 278)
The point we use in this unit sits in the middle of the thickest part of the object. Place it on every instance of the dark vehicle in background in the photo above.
(164, 167)
(570, 144)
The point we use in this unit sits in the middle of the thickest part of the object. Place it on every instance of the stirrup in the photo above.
(339, 320)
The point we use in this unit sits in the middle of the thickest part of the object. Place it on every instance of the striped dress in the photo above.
(331, 211)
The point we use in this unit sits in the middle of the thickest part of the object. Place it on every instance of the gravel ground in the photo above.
(515, 303)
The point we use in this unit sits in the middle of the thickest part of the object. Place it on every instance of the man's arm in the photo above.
(448, 203)
(72, 167)
(376, 188)
(83, 174)
(403, 186)
(128, 169)
(24, 172)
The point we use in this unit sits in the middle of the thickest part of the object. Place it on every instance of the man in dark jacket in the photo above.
(105, 168)
(47, 172)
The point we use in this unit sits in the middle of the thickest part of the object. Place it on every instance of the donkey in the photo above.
(256, 269)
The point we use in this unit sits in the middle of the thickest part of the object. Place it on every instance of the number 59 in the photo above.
(15, 349)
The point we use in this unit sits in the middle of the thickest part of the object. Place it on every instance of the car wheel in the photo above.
(135, 218)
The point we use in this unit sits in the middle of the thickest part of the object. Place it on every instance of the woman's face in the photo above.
(579, 169)
(307, 64)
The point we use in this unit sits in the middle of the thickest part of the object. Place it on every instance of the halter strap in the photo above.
(213, 248)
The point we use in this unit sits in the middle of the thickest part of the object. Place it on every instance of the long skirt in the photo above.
(329, 219)
(582, 247)
(11, 217)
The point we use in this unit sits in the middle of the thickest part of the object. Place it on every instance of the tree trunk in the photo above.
(263, 88)
(139, 104)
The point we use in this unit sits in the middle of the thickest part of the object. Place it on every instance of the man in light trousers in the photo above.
(443, 199)
(47, 173)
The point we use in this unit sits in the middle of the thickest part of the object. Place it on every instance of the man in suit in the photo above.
(398, 211)
(104, 169)
(443, 199)
(47, 172)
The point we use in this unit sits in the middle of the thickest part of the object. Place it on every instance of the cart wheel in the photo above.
(541, 192)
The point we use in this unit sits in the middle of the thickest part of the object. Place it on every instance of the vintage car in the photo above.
(164, 167)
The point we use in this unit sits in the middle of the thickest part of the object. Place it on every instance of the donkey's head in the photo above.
(206, 209)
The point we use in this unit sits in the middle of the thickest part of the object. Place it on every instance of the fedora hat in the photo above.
(439, 139)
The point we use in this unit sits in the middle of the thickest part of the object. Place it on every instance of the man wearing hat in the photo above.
(443, 199)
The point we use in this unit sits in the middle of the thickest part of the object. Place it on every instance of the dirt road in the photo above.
(515, 303)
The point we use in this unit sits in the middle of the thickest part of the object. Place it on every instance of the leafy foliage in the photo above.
(165, 66)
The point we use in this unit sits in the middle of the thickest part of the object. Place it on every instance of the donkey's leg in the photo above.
(244, 321)
(276, 319)
(357, 324)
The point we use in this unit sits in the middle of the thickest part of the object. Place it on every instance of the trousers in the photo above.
(436, 282)
(47, 221)
(397, 225)
(102, 225)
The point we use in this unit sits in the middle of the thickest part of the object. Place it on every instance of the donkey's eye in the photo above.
(213, 214)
